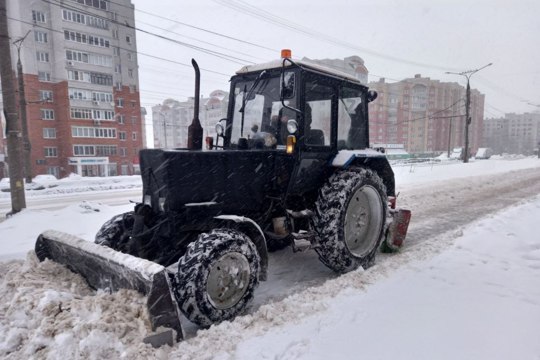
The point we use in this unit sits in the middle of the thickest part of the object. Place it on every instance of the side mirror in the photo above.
(220, 130)
(287, 86)
(371, 95)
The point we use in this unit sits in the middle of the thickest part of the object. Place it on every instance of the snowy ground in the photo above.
(459, 289)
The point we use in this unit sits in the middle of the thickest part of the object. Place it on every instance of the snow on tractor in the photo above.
(290, 166)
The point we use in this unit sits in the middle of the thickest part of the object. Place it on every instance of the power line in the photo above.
(122, 48)
(197, 28)
(252, 10)
(223, 56)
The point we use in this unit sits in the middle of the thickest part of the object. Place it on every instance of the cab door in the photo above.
(317, 133)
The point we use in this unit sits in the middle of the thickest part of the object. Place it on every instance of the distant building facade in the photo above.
(352, 65)
(425, 115)
(82, 89)
(512, 134)
(171, 119)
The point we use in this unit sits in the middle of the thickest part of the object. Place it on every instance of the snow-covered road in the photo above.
(36, 319)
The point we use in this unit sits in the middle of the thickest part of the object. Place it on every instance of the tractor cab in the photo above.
(295, 106)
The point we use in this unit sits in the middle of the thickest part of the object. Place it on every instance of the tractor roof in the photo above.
(276, 64)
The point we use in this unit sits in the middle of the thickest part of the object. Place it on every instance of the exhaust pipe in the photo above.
(195, 131)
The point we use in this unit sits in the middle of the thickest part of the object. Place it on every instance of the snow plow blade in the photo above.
(105, 268)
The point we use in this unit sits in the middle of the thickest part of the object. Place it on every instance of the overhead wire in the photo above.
(221, 55)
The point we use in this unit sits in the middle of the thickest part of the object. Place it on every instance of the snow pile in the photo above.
(49, 312)
(43, 185)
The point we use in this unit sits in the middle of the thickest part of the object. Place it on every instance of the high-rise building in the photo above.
(513, 134)
(172, 118)
(424, 115)
(79, 62)
(352, 65)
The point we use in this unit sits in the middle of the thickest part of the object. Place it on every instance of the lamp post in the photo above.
(468, 75)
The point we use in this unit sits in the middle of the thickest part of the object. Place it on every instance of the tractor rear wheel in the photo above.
(350, 219)
(115, 232)
(217, 276)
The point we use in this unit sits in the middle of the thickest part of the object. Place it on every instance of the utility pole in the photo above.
(13, 129)
(468, 75)
(27, 147)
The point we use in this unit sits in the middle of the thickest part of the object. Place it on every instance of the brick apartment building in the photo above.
(424, 115)
(81, 82)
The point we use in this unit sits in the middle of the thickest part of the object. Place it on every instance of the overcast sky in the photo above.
(397, 39)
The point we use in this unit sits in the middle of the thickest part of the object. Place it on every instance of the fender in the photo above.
(255, 233)
(371, 159)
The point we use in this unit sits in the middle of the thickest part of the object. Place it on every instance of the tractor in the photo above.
(290, 166)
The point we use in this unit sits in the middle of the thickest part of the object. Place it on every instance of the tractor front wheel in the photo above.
(217, 276)
(350, 219)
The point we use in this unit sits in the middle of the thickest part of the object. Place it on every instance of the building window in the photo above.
(105, 150)
(103, 115)
(47, 114)
(115, 35)
(75, 36)
(50, 151)
(85, 114)
(119, 86)
(42, 56)
(121, 119)
(40, 36)
(38, 16)
(44, 76)
(49, 133)
(128, 39)
(130, 56)
(122, 135)
(96, 22)
(84, 150)
(134, 135)
(120, 102)
(73, 16)
(93, 132)
(46, 95)
(101, 79)
(133, 120)
(123, 152)
(54, 170)
(98, 4)
(118, 68)
(130, 73)
(79, 76)
(102, 96)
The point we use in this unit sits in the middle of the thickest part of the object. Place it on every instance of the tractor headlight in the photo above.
(292, 126)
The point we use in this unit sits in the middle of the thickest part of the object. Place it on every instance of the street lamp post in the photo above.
(468, 75)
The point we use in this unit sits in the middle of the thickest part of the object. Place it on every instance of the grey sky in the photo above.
(397, 39)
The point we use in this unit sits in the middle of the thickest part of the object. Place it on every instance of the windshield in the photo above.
(264, 118)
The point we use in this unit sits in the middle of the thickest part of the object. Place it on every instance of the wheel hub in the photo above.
(228, 280)
(363, 220)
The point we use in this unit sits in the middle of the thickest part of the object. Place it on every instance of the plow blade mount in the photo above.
(105, 268)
